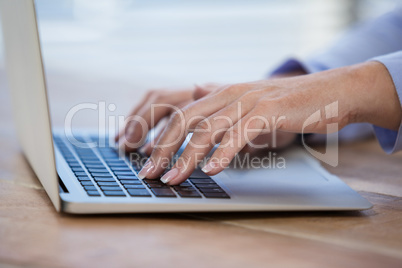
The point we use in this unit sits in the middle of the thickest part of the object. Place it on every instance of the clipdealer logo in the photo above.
(331, 155)
(107, 125)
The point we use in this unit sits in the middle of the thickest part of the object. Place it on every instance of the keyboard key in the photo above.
(216, 195)
(107, 175)
(92, 162)
(133, 186)
(87, 183)
(95, 166)
(98, 170)
(115, 162)
(104, 179)
(90, 188)
(122, 173)
(77, 169)
(184, 189)
(124, 169)
(184, 184)
(125, 182)
(87, 159)
(157, 185)
(189, 194)
(93, 193)
(147, 181)
(107, 183)
(138, 192)
(80, 174)
(109, 152)
(163, 192)
(74, 164)
(197, 181)
(207, 185)
(199, 174)
(127, 177)
(211, 190)
(114, 193)
(83, 178)
(110, 188)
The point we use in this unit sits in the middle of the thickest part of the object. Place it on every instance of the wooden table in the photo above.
(33, 234)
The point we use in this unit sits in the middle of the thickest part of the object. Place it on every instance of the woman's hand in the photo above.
(235, 115)
(154, 110)
(133, 134)
(149, 112)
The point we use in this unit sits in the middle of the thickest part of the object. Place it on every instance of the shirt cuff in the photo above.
(294, 65)
(390, 140)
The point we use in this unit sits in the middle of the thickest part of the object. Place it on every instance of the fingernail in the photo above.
(146, 169)
(208, 167)
(170, 175)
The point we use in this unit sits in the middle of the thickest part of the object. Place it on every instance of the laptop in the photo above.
(91, 178)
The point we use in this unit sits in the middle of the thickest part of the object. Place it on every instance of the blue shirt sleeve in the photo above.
(368, 41)
(391, 141)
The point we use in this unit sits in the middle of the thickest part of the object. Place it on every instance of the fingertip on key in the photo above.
(146, 169)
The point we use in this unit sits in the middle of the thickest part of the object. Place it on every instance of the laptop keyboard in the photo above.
(101, 172)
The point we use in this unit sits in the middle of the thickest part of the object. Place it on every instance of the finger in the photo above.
(149, 115)
(134, 111)
(206, 135)
(175, 133)
(245, 130)
(138, 127)
(154, 96)
(149, 146)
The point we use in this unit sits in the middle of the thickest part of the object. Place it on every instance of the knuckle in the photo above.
(251, 94)
(152, 92)
(176, 117)
(159, 151)
(235, 134)
(253, 123)
(204, 126)
(186, 157)
(230, 137)
(159, 99)
(231, 89)
(223, 154)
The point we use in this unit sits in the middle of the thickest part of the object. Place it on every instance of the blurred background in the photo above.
(156, 43)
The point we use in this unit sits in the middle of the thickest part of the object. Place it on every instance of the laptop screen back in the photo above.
(28, 91)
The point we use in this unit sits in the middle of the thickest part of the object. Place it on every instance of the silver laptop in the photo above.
(96, 179)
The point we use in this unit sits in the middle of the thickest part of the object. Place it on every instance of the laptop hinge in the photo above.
(62, 187)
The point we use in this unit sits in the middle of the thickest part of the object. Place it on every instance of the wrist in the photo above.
(378, 100)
